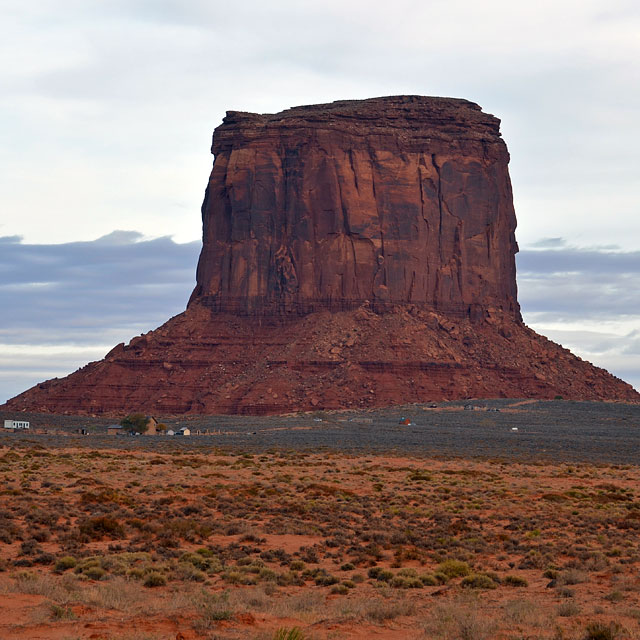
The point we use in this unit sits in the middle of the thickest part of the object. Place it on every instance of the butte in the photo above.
(355, 254)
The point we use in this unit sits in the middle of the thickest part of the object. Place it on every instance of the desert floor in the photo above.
(229, 543)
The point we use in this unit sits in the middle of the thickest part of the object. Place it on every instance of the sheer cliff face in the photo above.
(387, 201)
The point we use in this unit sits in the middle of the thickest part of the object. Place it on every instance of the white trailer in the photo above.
(16, 424)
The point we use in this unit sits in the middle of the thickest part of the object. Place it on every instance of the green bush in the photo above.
(155, 579)
(374, 572)
(95, 573)
(454, 568)
(64, 563)
(135, 421)
(515, 581)
(97, 528)
(406, 582)
(61, 613)
(187, 571)
(478, 581)
(294, 633)
(324, 579)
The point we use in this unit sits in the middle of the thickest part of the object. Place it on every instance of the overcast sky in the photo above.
(107, 109)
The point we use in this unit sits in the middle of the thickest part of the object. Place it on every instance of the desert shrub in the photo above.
(44, 558)
(374, 572)
(601, 631)
(478, 581)
(406, 582)
(454, 568)
(534, 560)
(94, 573)
(523, 612)
(289, 578)
(119, 594)
(30, 547)
(378, 573)
(382, 611)
(98, 528)
(137, 573)
(34, 584)
(340, 589)
(325, 579)
(515, 581)
(568, 609)
(461, 619)
(429, 580)
(212, 608)
(58, 612)
(155, 579)
(208, 563)
(418, 475)
(571, 576)
(295, 633)
(186, 571)
(266, 574)
(64, 563)
(238, 577)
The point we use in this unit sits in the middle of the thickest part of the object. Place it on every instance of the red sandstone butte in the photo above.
(355, 254)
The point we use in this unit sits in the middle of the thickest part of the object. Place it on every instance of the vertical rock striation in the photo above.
(399, 200)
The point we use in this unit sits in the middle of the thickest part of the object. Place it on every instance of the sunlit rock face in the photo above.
(355, 254)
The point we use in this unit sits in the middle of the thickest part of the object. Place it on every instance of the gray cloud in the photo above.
(565, 282)
(587, 299)
(81, 292)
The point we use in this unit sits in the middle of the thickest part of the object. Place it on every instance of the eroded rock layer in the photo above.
(356, 254)
(204, 362)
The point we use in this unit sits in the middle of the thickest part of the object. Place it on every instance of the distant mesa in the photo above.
(355, 254)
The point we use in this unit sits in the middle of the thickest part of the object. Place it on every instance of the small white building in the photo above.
(185, 431)
(16, 424)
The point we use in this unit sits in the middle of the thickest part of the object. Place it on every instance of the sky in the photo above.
(107, 110)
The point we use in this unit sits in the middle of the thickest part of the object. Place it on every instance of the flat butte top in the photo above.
(411, 120)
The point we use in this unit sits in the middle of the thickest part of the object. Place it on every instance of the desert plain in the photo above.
(234, 535)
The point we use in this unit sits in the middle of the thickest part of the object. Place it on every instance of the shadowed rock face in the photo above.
(356, 254)
(386, 201)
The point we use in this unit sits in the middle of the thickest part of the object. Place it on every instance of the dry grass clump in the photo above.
(461, 619)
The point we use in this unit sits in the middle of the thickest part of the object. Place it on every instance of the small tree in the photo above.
(135, 421)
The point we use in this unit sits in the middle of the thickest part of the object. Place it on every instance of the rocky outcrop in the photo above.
(356, 254)
(399, 200)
